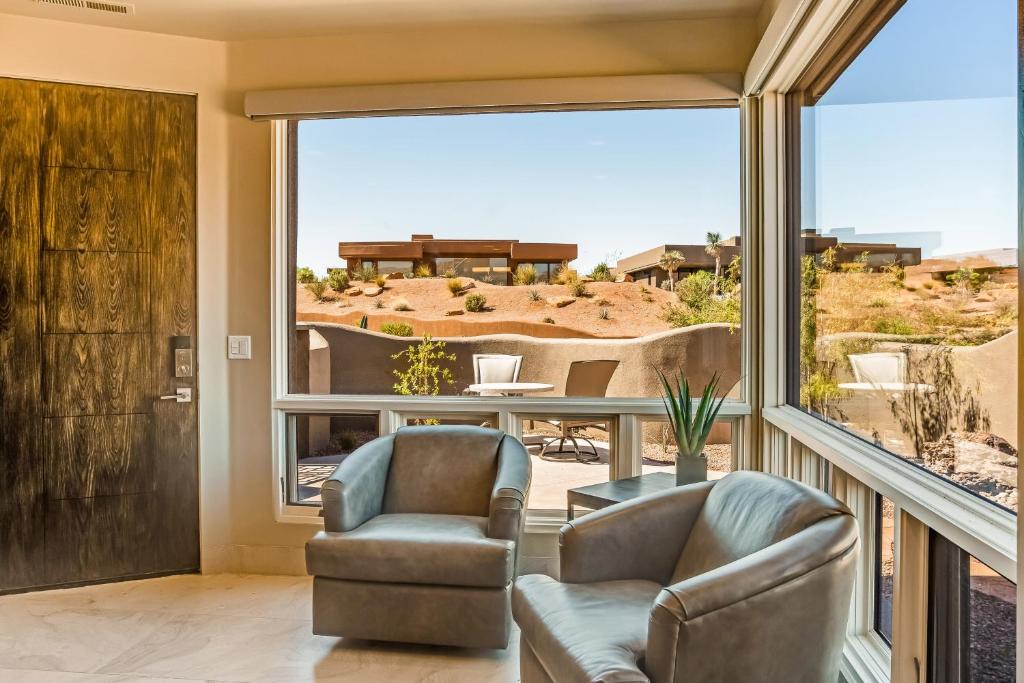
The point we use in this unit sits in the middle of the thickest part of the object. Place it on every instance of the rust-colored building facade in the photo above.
(493, 261)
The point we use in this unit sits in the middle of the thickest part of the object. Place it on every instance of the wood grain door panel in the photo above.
(104, 455)
(101, 128)
(95, 292)
(95, 210)
(96, 374)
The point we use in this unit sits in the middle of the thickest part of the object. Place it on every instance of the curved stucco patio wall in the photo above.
(361, 363)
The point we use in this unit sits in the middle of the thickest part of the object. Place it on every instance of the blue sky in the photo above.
(917, 135)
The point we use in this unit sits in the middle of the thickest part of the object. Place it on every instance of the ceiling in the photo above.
(246, 19)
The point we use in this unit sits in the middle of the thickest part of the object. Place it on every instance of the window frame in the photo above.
(626, 411)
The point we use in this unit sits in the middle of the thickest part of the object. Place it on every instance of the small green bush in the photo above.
(576, 287)
(317, 289)
(380, 281)
(454, 286)
(338, 279)
(366, 273)
(534, 295)
(602, 273)
(304, 275)
(967, 278)
(397, 329)
(422, 270)
(893, 326)
(401, 304)
(525, 274)
(475, 303)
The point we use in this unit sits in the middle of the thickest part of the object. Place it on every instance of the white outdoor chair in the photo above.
(495, 368)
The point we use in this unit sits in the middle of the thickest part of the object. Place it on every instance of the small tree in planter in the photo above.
(690, 427)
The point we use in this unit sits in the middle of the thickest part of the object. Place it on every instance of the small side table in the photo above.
(597, 496)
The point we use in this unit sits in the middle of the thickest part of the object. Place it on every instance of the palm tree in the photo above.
(670, 261)
(714, 249)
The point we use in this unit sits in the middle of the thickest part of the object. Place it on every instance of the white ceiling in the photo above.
(244, 19)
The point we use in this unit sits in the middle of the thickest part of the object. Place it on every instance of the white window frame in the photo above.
(391, 408)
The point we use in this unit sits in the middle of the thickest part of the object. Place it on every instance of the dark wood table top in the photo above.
(597, 496)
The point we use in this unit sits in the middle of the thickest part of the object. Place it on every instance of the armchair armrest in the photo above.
(507, 511)
(354, 493)
(638, 539)
(776, 614)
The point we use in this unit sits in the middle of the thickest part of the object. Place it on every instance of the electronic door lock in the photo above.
(183, 364)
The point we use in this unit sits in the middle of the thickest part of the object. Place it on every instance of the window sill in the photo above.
(865, 660)
(986, 531)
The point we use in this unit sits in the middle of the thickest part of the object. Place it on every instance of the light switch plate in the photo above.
(239, 347)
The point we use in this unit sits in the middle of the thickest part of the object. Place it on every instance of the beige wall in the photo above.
(239, 530)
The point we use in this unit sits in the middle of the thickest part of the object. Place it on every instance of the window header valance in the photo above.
(465, 97)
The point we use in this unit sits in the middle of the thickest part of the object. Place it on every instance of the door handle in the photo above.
(181, 395)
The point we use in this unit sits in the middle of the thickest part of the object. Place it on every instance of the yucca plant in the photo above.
(690, 426)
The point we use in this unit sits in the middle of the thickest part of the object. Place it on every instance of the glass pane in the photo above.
(317, 443)
(908, 245)
(524, 233)
(993, 610)
(659, 448)
(566, 452)
(885, 554)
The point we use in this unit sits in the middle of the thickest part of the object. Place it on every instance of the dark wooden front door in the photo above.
(98, 475)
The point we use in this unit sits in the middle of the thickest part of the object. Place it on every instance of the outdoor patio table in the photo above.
(510, 388)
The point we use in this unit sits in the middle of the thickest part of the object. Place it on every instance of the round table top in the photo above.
(886, 386)
(511, 387)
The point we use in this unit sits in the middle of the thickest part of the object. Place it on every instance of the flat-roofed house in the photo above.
(491, 261)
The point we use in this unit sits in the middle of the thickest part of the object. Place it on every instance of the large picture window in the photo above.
(905, 266)
(489, 254)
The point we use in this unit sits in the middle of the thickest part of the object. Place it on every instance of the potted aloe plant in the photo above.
(690, 426)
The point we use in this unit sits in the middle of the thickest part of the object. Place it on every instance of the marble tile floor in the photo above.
(221, 628)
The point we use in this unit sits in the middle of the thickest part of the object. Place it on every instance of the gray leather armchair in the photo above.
(420, 540)
(745, 579)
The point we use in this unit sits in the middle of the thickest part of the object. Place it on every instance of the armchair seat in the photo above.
(586, 631)
(446, 550)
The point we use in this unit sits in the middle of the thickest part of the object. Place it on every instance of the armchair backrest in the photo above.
(441, 469)
(746, 512)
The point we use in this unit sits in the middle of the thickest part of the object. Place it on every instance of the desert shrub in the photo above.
(878, 303)
(893, 326)
(603, 302)
(380, 281)
(317, 288)
(644, 290)
(562, 274)
(397, 329)
(422, 270)
(377, 303)
(534, 295)
(338, 279)
(928, 284)
(696, 290)
(449, 273)
(344, 442)
(401, 304)
(602, 273)
(549, 320)
(366, 273)
(426, 370)
(576, 287)
(965, 278)
(304, 275)
(896, 273)
(666, 285)
(475, 303)
(604, 314)
(725, 310)
(525, 274)
(647, 298)
(454, 286)
(829, 258)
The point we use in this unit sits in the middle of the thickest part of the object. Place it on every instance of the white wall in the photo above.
(239, 532)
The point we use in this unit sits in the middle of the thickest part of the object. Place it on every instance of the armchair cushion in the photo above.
(451, 550)
(442, 470)
(583, 633)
